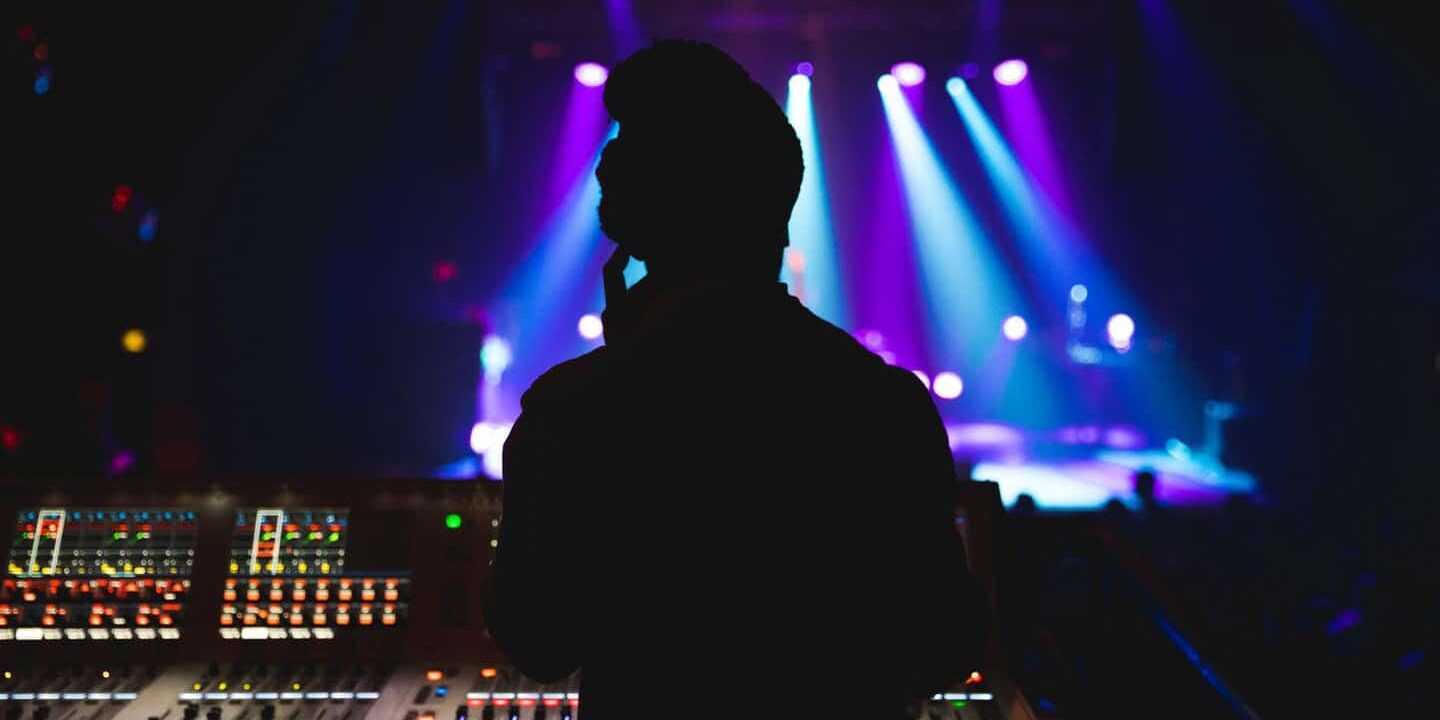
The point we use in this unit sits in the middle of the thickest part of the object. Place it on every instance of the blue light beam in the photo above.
(1052, 246)
(967, 287)
(810, 229)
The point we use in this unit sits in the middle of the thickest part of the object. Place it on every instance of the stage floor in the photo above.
(1082, 468)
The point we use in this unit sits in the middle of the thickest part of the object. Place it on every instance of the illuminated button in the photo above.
(488, 672)
(975, 678)
(434, 675)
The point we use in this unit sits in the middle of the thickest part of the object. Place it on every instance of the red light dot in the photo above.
(42, 51)
(26, 32)
(120, 199)
(445, 271)
(10, 438)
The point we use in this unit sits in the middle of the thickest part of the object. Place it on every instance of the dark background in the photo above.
(311, 163)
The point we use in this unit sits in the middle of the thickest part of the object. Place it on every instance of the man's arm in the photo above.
(947, 618)
(529, 611)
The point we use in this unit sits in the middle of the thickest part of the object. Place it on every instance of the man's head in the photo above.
(706, 168)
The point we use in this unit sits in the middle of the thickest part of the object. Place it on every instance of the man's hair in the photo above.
(718, 146)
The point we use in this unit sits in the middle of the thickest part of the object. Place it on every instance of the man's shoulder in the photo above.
(840, 343)
(568, 379)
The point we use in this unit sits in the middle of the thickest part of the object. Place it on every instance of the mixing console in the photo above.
(97, 573)
(151, 602)
(338, 691)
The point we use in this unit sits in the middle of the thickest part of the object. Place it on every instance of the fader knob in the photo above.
(568, 713)
(213, 713)
(462, 712)
(40, 713)
(267, 712)
(488, 713)
(540, 712)
(14, 712)
(191, 711)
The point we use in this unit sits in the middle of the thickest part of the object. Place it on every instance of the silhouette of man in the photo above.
(732, 509)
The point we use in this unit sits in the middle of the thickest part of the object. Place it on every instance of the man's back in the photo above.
(736, 502)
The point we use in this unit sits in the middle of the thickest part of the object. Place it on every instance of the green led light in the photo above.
(958, 703)
(334, 537)
(453, 521)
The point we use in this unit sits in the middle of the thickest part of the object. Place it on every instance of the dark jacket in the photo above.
(733, 502)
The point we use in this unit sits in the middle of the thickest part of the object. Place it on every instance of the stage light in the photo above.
(482, 437)
(948, 385)
(1015, 328)
(10, 440)
(908, 74)
(1120, 330)
(805, 69)
(134, 341)
(591, 74)
(1078, 293)
(120, 198)
(799, 83)
(495, 355)
(147, 225)
(1011, 72)
(123, 461)
(590, 326)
